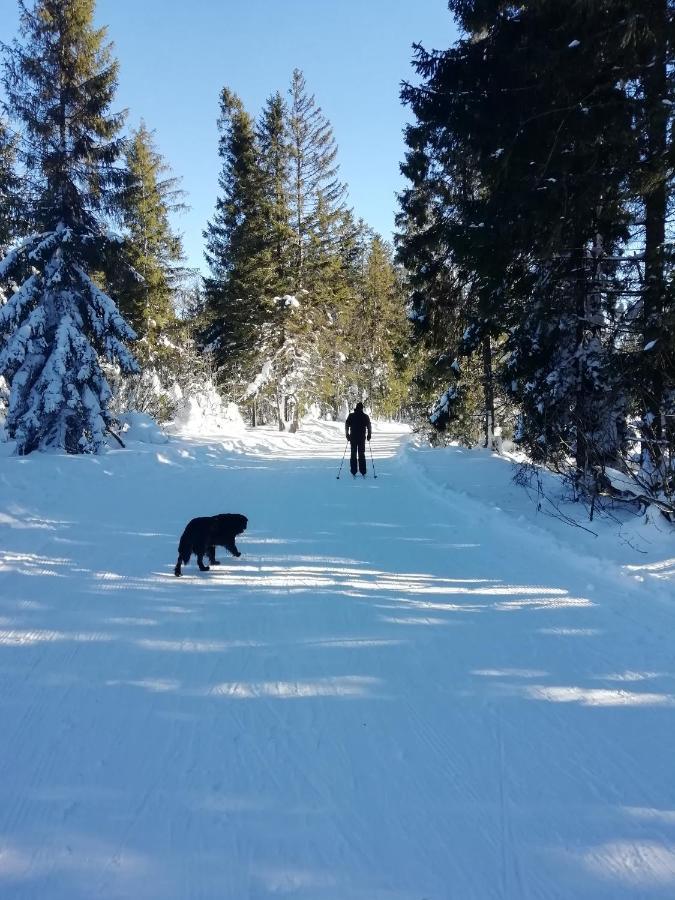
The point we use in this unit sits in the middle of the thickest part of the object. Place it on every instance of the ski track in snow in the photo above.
(394, 694)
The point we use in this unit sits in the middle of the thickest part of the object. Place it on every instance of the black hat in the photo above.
(359, 406)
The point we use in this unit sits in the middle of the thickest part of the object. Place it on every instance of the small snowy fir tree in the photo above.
(57, 324)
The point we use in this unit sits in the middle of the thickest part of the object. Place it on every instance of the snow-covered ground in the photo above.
(409, 688)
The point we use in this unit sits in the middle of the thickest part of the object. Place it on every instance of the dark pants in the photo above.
(359, 446)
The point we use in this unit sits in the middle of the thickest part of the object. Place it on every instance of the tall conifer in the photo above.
(58, 325)
(151, 246)
(653, 35)
(275, 170)
(316, 192)
(519, 164)
(237, 245)
(9, 184)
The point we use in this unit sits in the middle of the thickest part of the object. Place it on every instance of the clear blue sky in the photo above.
(176, 55)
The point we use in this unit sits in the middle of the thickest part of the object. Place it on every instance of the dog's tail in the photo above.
(185, 548)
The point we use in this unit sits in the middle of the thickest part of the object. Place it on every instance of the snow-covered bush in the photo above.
(203, 411)
(137, 426)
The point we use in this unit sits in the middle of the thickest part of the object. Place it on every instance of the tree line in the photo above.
(303, 304)
(302, 307)
(536, 231)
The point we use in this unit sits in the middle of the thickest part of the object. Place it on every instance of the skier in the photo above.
(357, 428)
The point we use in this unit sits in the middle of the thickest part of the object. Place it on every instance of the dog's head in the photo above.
(236, 522)
(243, 523)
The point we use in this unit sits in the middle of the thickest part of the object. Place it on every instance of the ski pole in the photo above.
(343, 459)
(372, 461)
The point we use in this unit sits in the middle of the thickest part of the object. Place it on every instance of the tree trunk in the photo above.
(655, 202)
(295, 421)
(280, 411)
(488, 391)
(581, 400)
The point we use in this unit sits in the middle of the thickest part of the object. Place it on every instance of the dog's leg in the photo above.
(212, 556)
(200, 551)
(232, 547)
(177, 571)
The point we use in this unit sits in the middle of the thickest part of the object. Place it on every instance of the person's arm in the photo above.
(370, 431)
(347, 424)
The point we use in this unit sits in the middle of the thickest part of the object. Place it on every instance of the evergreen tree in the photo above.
(151, 247)
(519, 164)
(454, 269)
(147, 277)
(379, 333)
(336, 264)
(316, 192)
(237, 247)
(9, 185)
(287, 262)
(8, 225)
(305, 203)
(275, 163)
(653, 44)
(58, 325)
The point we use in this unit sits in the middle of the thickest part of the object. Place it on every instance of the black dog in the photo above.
(203, 535)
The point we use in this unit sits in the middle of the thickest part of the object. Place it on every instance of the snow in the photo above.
(204, 412)
(138, 426)
(411, 687)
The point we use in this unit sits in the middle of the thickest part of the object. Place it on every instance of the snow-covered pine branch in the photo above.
(55, 328)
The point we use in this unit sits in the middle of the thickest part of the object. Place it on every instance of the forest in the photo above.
(527, 294)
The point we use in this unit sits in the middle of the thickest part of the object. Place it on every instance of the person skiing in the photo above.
(357, 429)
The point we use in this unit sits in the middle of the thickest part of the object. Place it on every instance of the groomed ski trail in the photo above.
(394, 694)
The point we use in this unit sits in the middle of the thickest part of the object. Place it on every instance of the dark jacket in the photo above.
(357, 426)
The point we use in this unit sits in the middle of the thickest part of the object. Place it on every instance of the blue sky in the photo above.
(176, 55)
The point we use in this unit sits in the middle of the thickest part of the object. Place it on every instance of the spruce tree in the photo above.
(519, 163)
(58, 325)
(237, 247)
(275, 171)
(9, 188)
(151, 247)
(8, 225)
(653, 42)
(304, 200)
(381, 332)
(316, 191)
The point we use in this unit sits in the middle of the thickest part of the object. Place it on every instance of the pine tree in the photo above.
(146, 277)
(9, 188)
(379, 333)
(237, 247)
(9, 207)
(275, 162)
(58, 325)
(336, 263)
(653, 42)
(454, 267)
(316, 191)
(520, 161)
(151, 247)
(305, 201)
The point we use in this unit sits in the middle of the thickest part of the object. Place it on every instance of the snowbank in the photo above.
(141, 427)
(205, 413)
(636, 549)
